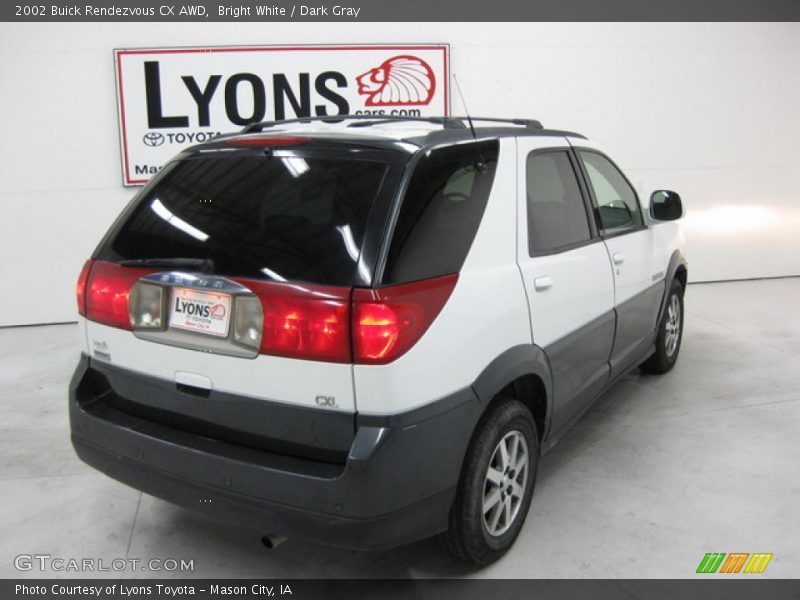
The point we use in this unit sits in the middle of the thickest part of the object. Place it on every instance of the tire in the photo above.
(670, 333)
(480, 538)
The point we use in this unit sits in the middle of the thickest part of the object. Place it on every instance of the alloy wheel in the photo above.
(504, 486)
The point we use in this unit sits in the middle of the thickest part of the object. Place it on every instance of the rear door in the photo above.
(566, 273)
(638, 286)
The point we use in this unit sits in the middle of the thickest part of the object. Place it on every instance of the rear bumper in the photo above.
(396, 485)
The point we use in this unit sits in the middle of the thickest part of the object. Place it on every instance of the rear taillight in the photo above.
(106, 294)
(387, 322)
(80, 288)
(146, 306)
(315, 322)
(311, 322)
(300, 321)
(248, 321)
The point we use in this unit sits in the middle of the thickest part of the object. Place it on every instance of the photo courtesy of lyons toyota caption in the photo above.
(365, 331)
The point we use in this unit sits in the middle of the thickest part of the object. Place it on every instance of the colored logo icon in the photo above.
(735, 562)
(401, 80)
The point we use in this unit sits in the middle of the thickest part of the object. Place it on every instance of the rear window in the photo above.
(284, 217)
(441, 211)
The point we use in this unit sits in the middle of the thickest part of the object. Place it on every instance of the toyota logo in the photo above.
(153, 138)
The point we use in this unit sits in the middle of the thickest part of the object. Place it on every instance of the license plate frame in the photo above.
(199, 311)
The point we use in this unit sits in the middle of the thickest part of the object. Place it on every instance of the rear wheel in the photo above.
(670, 333)
(496, 485)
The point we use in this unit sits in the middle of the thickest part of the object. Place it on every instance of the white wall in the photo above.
(710, 110)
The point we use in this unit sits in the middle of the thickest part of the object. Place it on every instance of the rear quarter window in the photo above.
(441, 210)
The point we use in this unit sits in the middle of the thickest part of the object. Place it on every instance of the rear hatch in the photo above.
(219, 301)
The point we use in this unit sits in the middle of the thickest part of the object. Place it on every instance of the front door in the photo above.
(629, 242)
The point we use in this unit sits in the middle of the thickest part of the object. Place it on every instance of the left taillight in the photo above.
(146, 306)
(104, 292)
(80, 288)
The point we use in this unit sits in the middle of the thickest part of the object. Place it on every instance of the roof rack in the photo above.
(370, 120)
(529, 123)
(445, 122)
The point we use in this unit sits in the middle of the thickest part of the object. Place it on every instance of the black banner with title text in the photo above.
(392, 10)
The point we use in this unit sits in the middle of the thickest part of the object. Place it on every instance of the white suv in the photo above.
(365, 331)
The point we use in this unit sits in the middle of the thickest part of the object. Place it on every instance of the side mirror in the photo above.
(665, 205)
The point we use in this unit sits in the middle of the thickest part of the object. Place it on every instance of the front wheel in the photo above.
(670, 333)
(496, 485)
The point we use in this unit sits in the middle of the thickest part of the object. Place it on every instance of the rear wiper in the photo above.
(198, 264)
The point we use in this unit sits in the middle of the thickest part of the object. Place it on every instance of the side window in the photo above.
(556, 211)
(441, 211)
(617, 207)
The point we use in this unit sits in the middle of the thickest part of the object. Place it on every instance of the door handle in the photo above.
(618, 258)
(542, 283)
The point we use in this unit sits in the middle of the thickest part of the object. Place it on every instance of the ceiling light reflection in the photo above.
(162, 211)
(349, 242)
(272, 274)
(295, 165)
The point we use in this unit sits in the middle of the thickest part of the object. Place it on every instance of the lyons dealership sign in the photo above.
(170, 98)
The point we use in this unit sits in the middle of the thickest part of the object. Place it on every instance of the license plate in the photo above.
(204, 312)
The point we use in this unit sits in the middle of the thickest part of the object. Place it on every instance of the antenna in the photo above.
(464, 104)
(481, 164)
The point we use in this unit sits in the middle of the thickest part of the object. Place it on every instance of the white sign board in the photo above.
(170, 98)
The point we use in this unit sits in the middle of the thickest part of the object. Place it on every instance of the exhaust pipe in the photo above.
(272, 541)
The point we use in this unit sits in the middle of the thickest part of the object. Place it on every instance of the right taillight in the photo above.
(388, 321)
(297, 320)
(248, 321)
(314, 322)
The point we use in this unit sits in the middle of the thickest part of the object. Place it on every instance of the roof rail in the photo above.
(368, 120)
(529, 123)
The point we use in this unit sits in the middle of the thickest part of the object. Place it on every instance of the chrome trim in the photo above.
(200, 281)
(190, 340)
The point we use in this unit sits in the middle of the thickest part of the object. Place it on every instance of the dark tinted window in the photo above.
(617, 206)
(283, 217)
(556, 211)
(441, 211)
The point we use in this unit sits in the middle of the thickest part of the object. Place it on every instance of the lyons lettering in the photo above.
(192, 308)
